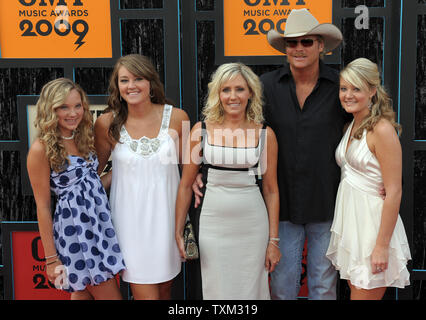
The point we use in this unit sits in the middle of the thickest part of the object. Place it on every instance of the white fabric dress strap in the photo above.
(167, 112)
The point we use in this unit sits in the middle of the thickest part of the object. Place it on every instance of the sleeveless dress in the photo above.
(357, 218)
(83, 232)
(233, 225)
(145, 179)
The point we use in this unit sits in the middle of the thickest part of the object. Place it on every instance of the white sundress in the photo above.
(145, 179)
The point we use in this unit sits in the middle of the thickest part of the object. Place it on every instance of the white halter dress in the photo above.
(357, 218)
(145, 179)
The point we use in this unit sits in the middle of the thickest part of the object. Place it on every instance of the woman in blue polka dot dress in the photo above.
(80, 245)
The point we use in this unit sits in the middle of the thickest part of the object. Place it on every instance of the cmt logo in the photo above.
(61, 25)
(44, 4)
(269, 2)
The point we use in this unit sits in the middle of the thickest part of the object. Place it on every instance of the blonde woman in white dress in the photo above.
(237, 222)
(368, 245)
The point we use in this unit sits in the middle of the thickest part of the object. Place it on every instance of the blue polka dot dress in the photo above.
(83, 232)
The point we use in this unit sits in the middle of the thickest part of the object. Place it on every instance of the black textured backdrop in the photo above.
(146, 36)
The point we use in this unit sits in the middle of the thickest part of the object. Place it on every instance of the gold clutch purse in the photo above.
(191, 248)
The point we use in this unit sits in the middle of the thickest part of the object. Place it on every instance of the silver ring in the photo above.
(379, 269)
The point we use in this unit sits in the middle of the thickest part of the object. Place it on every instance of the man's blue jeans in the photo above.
(322, 276)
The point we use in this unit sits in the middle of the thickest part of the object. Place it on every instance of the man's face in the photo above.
(304, 51)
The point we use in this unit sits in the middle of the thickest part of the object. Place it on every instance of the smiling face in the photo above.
(70, 113)
(304, 51)
(234, 95)
(354, 99)
(133, 89)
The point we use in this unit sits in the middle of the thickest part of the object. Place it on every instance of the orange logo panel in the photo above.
(246, 23)
(55, 29)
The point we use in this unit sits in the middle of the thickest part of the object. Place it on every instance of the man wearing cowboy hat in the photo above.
(303, 108)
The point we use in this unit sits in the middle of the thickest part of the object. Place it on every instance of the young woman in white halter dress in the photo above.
(368, 244)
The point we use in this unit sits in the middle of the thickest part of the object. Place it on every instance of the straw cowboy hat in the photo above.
(301, 22)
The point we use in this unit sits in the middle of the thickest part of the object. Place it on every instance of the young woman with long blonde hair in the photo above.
(368, 244)
(81, 251)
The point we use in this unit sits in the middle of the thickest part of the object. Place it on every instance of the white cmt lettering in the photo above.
(44, 4)
(253, 3)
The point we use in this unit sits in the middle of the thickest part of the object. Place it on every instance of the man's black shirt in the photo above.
(308, 176)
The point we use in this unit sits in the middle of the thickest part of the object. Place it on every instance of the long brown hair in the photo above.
(139, 66)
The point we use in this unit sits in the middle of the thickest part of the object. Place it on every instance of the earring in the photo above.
(370, 105)
(121, 98)
(151, 94)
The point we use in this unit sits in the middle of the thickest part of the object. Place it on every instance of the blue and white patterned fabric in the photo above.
(83, 231)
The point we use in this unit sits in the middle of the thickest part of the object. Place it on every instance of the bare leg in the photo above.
(363, 294)
(145, 291)
(165, 290)
(158, 291)
(81, 295)
(107, 290)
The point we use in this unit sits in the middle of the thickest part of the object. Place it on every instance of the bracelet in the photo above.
(55, 255)
(52, 262)
(274, 239)
(274, 244)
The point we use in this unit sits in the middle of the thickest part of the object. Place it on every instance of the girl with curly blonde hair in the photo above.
(51, 98)
(81, 249)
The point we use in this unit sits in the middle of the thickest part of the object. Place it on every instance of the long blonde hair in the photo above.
(364, 74)
(213, 109)
(53, 95)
